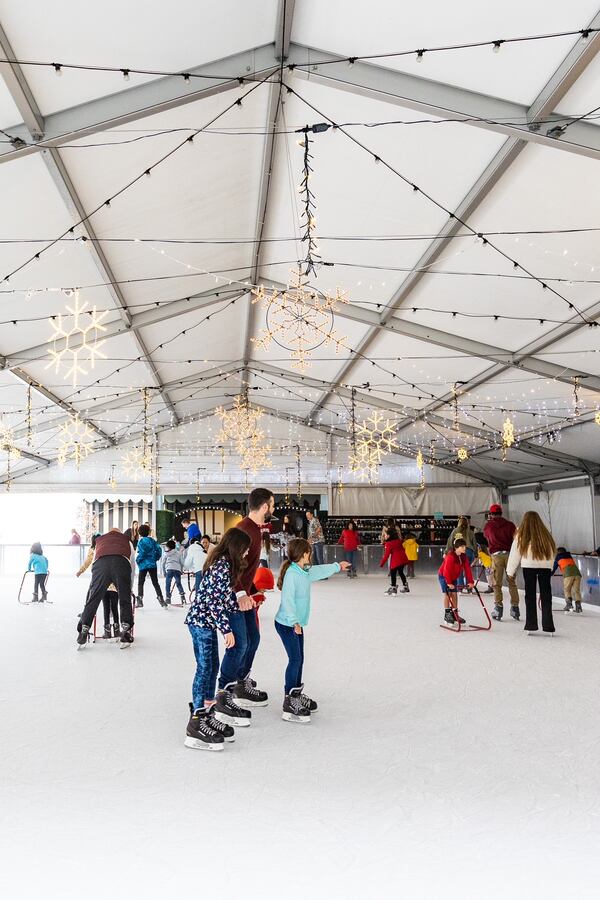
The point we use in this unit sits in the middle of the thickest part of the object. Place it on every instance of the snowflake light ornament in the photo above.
(299, 320)
(240, 423)
(377, 434)
(256, 455)
(462, 454)
(137, 464)
(7, 441)
(76, 439)
(76, 346)
(597, 417)
(508, 433)
(364, 464)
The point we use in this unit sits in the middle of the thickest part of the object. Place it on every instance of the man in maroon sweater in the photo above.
(499, 533)
(234, 678)
(112, 565)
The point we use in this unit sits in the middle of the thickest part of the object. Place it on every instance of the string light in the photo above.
(29, 417)
(112, 481)
(81, 343)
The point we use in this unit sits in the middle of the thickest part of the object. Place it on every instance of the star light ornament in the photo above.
(462, 454)
(76, 439)
(299, 320)
(76, 346)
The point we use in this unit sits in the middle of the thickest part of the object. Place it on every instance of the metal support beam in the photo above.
(124, 107)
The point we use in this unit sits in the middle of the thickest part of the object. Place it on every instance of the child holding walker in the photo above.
(454, 565)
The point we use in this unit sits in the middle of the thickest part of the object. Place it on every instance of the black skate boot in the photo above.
(116, 630)
(568, 606)
(139, 602)
(227, 731)
(247, 696)
(163, 603)
(311, 705)
(515, 613)
(83, 636)
(406, 589)
(199, 734)
(497, 612)
(107, 633)
(293, 708)
(225, 710)
(126, 636)
(578, 608)
(452, 617)
(389, 591)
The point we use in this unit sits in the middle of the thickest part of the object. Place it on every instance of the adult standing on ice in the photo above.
(499, 533)
(234, 679)
(113, 562)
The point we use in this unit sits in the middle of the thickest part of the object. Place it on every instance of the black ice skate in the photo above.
(293, 708)
(227, 731)
(497, 612)
(391, 590)
(451, 617)
(107, 633)
(163, 603)
(200, 735)
(578, 608)
(116, 630)
(83, 636)
(139, 602)
(406, 589)
(515, 613)
(311, 705)
(568, 606)
(225, 710)
(246, 695)
(126, 636)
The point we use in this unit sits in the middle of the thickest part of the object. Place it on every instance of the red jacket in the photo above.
(395, 549)
(350, 539)
(499, 533)
(452, 567)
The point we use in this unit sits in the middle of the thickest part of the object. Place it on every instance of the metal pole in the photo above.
(593, 499)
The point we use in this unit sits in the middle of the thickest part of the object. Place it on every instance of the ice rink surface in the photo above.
(438, 765)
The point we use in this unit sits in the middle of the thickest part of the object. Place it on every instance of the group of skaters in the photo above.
(503, 547)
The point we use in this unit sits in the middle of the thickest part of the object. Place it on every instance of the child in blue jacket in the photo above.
(294, 582)
(148, 554)
(38, 564)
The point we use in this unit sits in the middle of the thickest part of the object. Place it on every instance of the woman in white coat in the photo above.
(533, 548)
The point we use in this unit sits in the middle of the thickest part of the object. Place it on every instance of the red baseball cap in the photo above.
(495, 508)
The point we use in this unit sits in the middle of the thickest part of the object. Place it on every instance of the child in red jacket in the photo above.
(350, 539)
(395, 552)
(455, 563)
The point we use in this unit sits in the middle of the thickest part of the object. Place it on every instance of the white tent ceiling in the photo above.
(172, 258)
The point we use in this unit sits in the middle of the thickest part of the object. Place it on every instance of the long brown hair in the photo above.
(534, 539)
(295, 551)
(232, 546)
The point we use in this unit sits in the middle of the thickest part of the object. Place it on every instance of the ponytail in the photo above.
(282, 572)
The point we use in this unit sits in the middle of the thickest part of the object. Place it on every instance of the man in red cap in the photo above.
(499, 533)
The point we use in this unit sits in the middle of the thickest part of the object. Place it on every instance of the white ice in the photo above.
(438, 765)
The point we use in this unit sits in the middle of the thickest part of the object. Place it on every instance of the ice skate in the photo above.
(225, 710)
(199, 735)
(497, 612)
(107, 633)
(309, 704)
(568, 606)
(116, 630)
(578, 608)
(293, 708)
(515, 613)
(227, 731)
(389, 591)
(139, 602)
(83, 636)
(126, 636)
(163, 602)
(406, 589)
(247, 695)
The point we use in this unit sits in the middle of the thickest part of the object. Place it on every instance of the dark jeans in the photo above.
(206, 651)
(317, 553)
(110, 602)
(533, 578)
(153, 575)
(39, 583)
(237, 661)
(198, 579)
(174, 576)
(294, 647)
(398, 570)
(109, 570)
(350, 556)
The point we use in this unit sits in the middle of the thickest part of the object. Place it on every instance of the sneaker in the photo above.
(200, 735)
(293, 708)
(497, 612)
(225, 710)
(126, 636)
(83, 636)
(246, 695)
(227, 731)
(568, 606)
(311, 705)
(515, 613)
(578, 608)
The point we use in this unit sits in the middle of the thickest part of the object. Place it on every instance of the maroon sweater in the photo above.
(113, 543)
(246, 579)
(499, 533)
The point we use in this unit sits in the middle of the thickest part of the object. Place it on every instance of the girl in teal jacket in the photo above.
(38, 564)
(294, 582)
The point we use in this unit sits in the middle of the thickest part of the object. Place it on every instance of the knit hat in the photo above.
(495, 508)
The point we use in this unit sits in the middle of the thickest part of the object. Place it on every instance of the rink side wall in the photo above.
(569, 509)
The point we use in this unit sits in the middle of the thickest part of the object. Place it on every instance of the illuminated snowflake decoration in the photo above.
(377, 435)
(462, 454)
(75, 441)
(508, 433)
(137, 464)
(76, 345)
(364, 464)
(256, 455)
(419, 460)
(299, 320)
(597, 417)
(239, 423)
(7, 441)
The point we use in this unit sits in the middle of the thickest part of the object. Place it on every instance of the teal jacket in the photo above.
(294, 608)
(38, 564)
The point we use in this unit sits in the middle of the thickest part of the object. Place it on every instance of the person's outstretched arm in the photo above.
(318, 573)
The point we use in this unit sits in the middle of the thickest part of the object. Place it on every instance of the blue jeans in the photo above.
(350, 556)
(317, 553)
(237, 661)
(460, 581)
(174, 576)
(294, 647)
(206, 651)
(198, 577)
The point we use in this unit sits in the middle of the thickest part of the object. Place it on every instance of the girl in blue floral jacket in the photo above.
(213, 602)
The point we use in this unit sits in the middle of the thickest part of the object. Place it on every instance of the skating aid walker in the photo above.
(458, 626)
(93, 633)
(29, 602)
